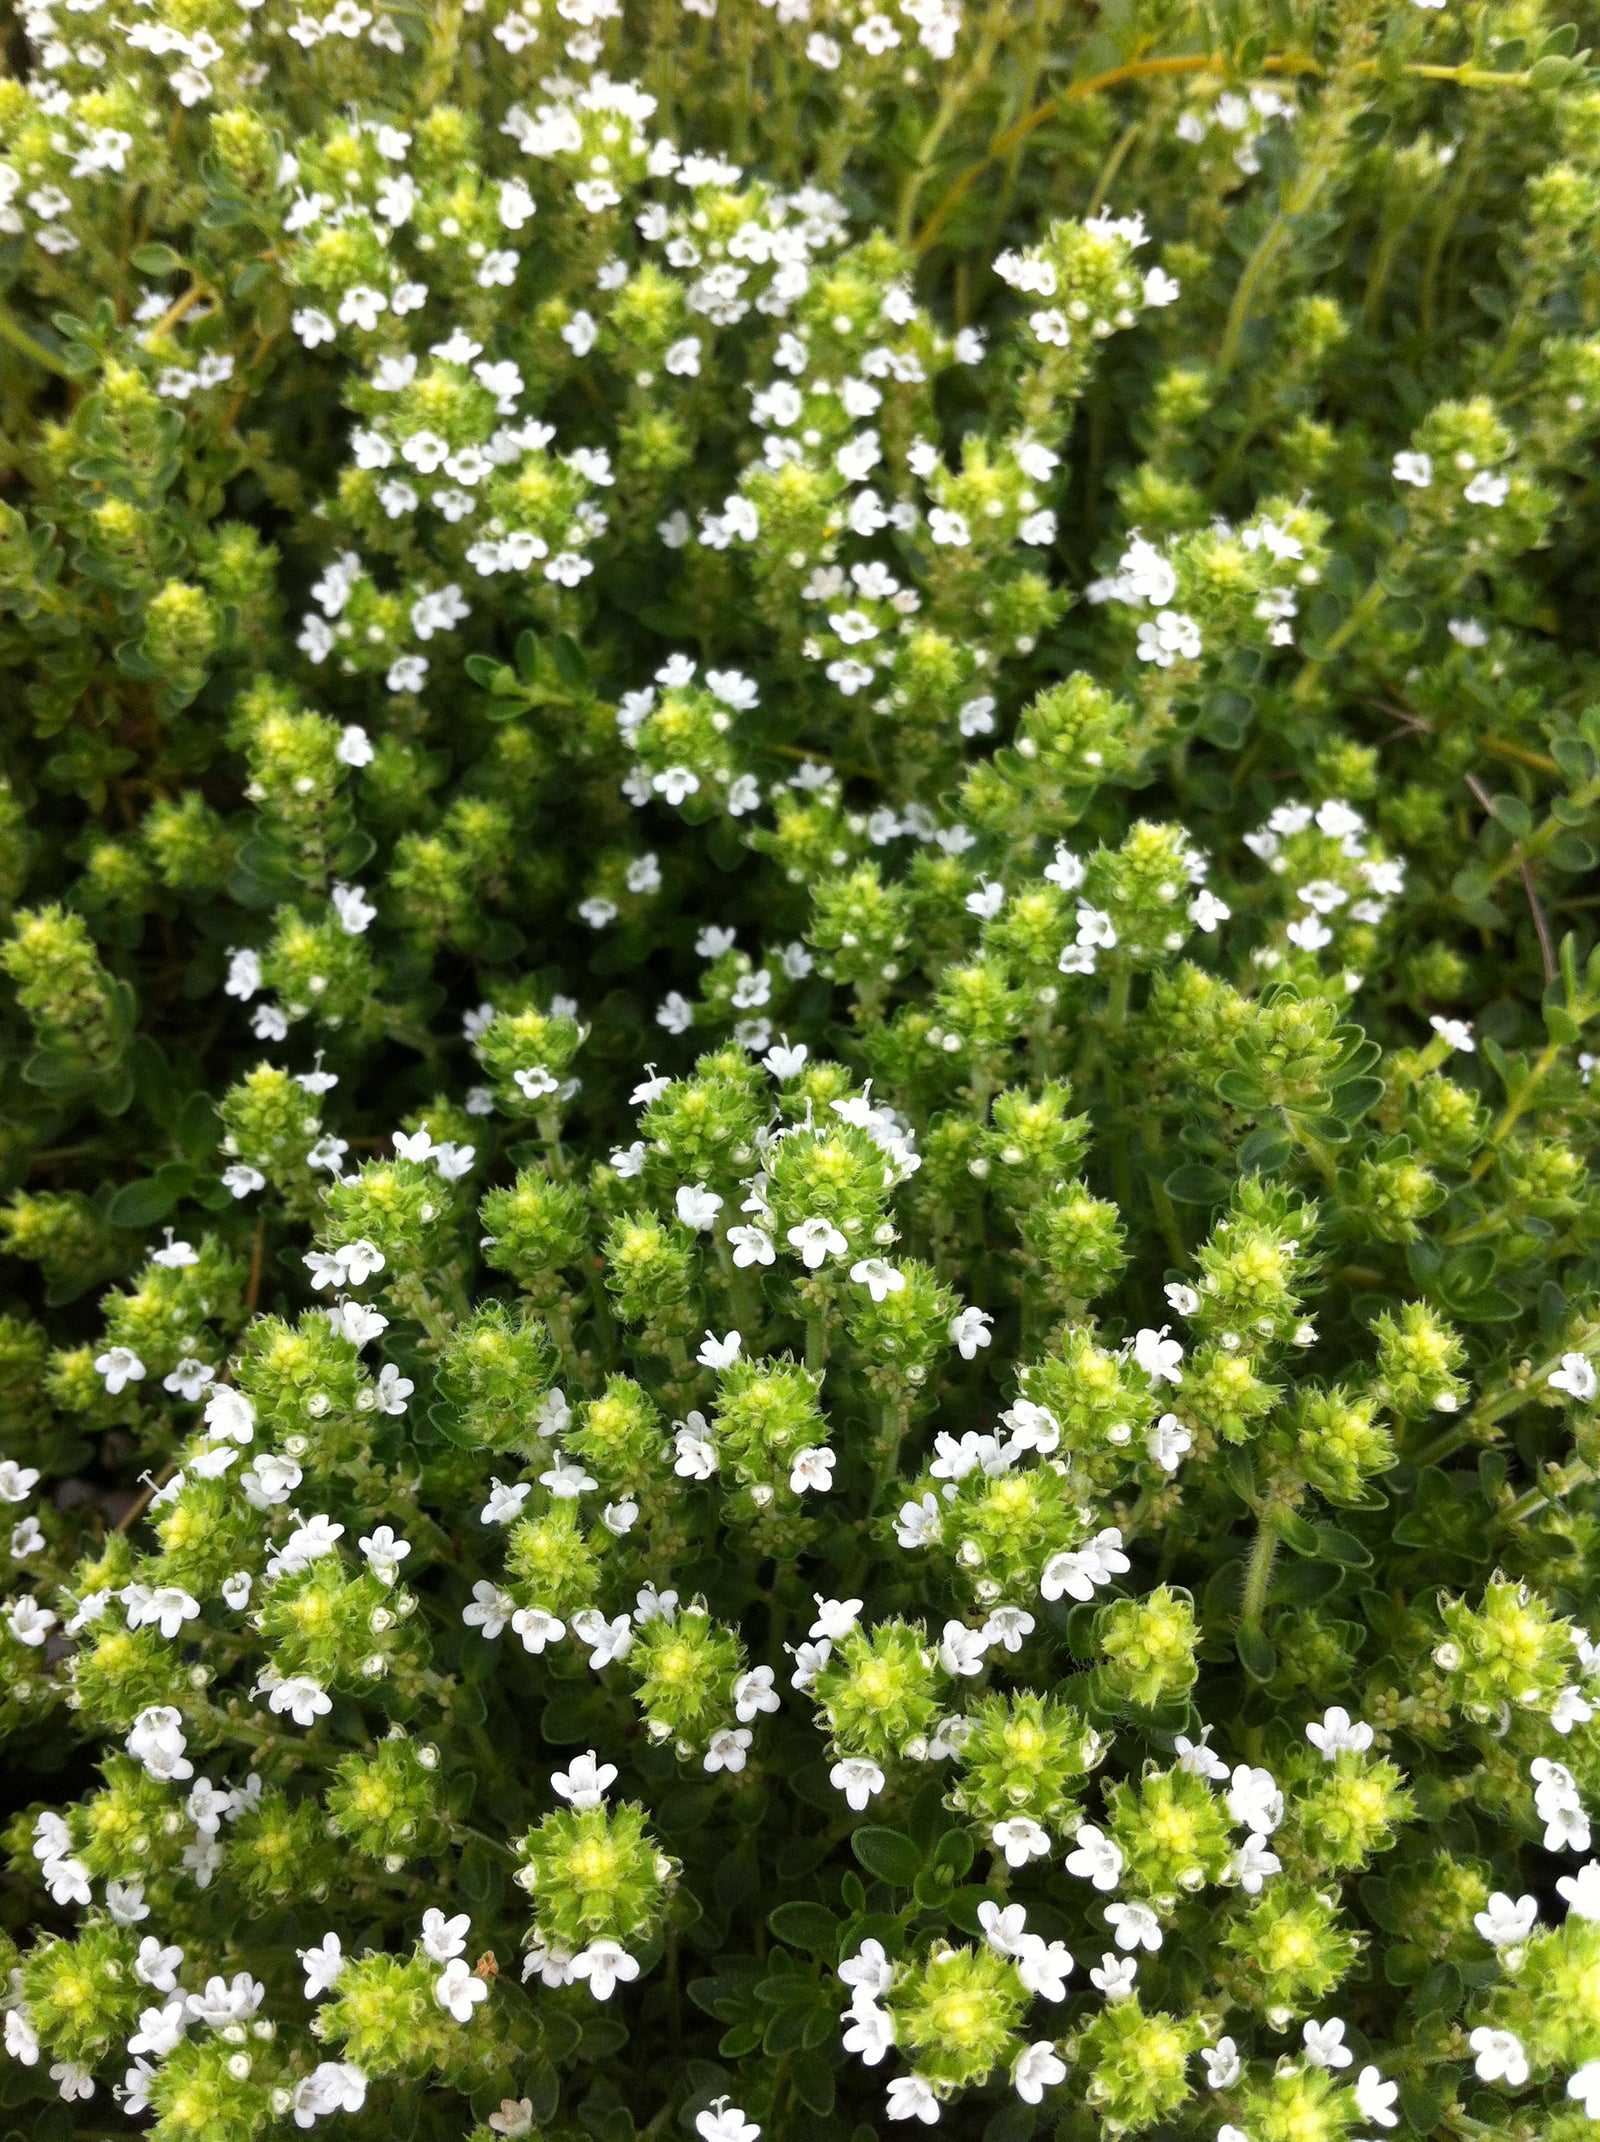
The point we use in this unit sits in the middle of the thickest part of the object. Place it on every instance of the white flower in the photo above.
(1582, 1890)
(816, 1240)
(969, 1330)
(125, 1902)
(1338, 1734)
(1374, 2097)
(911, 2097)
(1500, 2056)
(697, 1207)
(157, 1741)
(751, 1245)
(1037, 2069)
(605, 1964)
(1325, 2046)
(869, 2031)
(1251, 1865)
(812, 1469)
(835, 1617)
(723, 2122)
(1255, 1800)
(17, 1482)
(1158, 1355)
(1135, 1926)
(1576, 1376)
(879, 1278)
(1095, 1858)
(727, 1748)
(1173, 637)
(1223, 2065)
(1115, 1976)
(1508, 1921)
(29, 1622)
(718, 1353)
(1078, 1572)
(458, 1990)
(537, 1628)
(1021, 1839)
(919, 1523)
(119, 1366)
(961, 1650)
(1167, 1440)
(384, 1552)
(302, 1696)
(322, 1966)
(22, 2041)
(608, 1640)
(157, 1966)
(443, 1938)
(72, 2079)
(858, 1779)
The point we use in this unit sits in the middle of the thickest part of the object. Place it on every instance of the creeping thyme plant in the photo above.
(798, 817)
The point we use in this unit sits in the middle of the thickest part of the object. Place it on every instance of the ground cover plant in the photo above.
(799, 985)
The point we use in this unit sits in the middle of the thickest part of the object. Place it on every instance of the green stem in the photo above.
(13, 331)
(1258, 1571)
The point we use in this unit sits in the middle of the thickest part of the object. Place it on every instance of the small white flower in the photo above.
(1039, 2067)
(458, 1990)
(812, 1470)
(879, 1278)
(1223, 2065)
(751, 1245)
(1095, 1858)
(1454, 1033)
(817, 1240)
(718, 1353)
(1135, 1926)
(723, 2122)
(1500, 2056)
(1374, 2097)
(869, 2031)
(537, 1628)
(1338, 1734)
(1507, 1922)
(1576, 1376)
(697, 1207)
(1115, 1976)
(858, 1779)
(1021, 1839)
(1325, 2046)
(1158, 1355)
(727, 1749)
(1582, 1890)
(605, 1965)
(119, 1366)
(322, 1966)
(911, 2097)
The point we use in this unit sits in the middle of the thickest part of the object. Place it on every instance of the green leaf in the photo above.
(141, 1204)
(1296, 1532)
(571, 668)
(155, 259)
(806, 1926)
(885, 1853)
(812, 2081)
(1256, 1654)
(1196, 1184)
(1334, 1544)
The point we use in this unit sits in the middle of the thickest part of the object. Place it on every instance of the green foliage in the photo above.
(798, 993)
